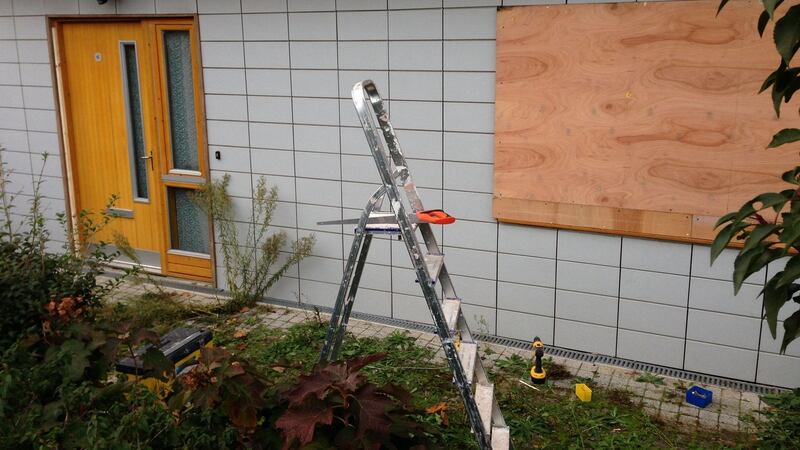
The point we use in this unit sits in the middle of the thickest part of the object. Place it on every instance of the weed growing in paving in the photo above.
(653, 379)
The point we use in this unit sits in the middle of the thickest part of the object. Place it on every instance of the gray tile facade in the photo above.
(277, 76)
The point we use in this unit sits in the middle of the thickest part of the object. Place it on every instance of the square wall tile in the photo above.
(655, 287)
(527, 240)
(416, 115)
(468, 205)
(714, 295)
(416, 86)
(469, 86)
(316, 138)
(723, 329)
(526, 270)
(471, 263)
(232, 159)
(362, 25)
(265, 27)
(309, 215)
(316, 111)
(476, 291)
(517, 325)
(221, 27)
(469, 55)
(320, 192)
(470, 117)
(472, 23)
(270, 109)
(471, 235)
(317, 165)
(479, 318)
(585, 337)
(415, 55)
(778, 370)
(468, 177)
(720, 360)
(646, 347)
(658, 256)
(418, 144)
(424, 24)
(268, 82)
(652, 318)
(524, 298)
(251, 6)
(588, 278)
(315, 83)
(224, 81)
(266, 55)
(348, 78)
(591, 248)
(312, 26)
(364, 55)
(318, 293)
(370, 301)
(226, 107)
(409, 307)
(469, 147)
(312, 5)
(313, 55)
(591, 308)
(347, 5)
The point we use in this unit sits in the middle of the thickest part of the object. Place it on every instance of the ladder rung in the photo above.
(434, 265)
(450, 308)
(500, 438)
(468, 353)
(484, 399)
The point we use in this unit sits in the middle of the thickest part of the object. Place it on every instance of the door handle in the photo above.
(150, 158)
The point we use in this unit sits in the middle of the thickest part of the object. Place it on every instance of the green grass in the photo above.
(648, 377)
(551, 417)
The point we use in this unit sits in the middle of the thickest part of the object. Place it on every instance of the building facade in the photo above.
(276, 80)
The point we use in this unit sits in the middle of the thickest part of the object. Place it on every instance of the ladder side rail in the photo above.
(368, 89)
(412, 245)
(348, 306)
(358, 239)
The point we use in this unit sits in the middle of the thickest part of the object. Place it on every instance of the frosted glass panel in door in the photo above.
(180, 90)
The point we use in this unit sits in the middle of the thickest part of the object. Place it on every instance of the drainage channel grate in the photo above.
(516, 343)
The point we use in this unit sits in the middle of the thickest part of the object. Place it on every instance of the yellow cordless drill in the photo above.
(538, 375)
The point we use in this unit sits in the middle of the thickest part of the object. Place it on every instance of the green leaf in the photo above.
(791, 232)
(750, 262)
(725, 218)
(791, 176)
(791, 330)
(768, 200)
(763, 19)
(787, 33)
(774, 298)
(721, 5)
(770, 80)
(784, 136)
(758, 234)
(721, 240)
(789, 273)
(770, 5)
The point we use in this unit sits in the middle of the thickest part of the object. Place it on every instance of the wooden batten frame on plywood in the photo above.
(637, 118)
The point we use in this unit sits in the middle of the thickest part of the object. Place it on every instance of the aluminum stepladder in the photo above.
(460, 349)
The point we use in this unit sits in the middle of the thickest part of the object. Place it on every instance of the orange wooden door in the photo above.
(134, 126)
(107, 98)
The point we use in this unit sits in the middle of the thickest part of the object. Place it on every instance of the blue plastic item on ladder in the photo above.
(698, 396)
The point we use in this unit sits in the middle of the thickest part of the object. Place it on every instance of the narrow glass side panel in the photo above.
(133, 102)
(180, 91)
(188, 223)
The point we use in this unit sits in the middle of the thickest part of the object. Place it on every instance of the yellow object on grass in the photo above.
(583, 392)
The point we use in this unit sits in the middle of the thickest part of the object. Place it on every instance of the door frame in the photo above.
(60, 88)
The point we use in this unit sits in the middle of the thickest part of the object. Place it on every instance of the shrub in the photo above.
(336, 407)
(248, 262)
(31, 277)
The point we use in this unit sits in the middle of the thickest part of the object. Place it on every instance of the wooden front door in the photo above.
(133, 132)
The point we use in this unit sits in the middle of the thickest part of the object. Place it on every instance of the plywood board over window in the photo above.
(635, 118)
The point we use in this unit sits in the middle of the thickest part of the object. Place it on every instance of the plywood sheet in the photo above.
(634, 118)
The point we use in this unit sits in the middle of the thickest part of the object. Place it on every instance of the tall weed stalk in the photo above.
(249, 259)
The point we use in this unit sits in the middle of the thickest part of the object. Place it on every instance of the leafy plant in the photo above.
(248, 262)
(335, 405)
(781, 427)
(653, 379)
(221, 381)
(769, 224)
(32, 279)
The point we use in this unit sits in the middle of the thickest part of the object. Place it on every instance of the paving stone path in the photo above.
(731, 409)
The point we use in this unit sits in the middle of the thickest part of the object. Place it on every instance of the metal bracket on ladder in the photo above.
(407, 218)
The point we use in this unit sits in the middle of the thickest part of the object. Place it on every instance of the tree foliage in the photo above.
(769, 224)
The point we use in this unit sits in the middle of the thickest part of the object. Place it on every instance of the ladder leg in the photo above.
(351, 297)
(336, 316)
